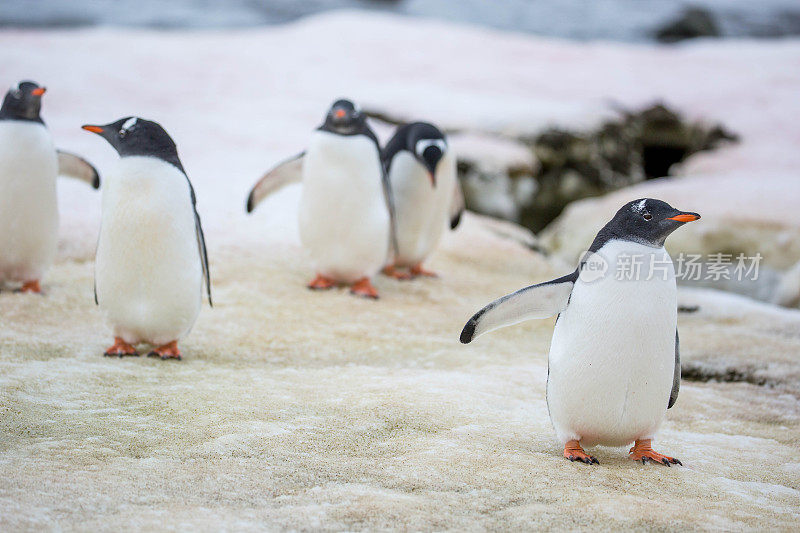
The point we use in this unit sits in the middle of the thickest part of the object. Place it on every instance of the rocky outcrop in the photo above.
(639, 145)
(531, 179)
(691, 23)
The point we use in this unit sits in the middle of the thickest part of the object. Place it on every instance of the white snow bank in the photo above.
(236, 102)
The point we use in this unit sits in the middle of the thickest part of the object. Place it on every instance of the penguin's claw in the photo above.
(364, 288)
(167, 351)
(417, 270)
(121, 349)
(574, 452)
(643, 451)
(31, 286)
(392, 272)
(321, 283)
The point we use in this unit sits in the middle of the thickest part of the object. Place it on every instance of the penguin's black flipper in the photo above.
(458, 206)
(201, 243)
(77, 167)
(537, 301)
(283, 174)
(676, 379)
(390, 206)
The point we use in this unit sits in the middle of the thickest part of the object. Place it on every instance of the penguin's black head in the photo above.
(133, 136)
(424, 141)
(23, 102)
(428, 145)
(345, 118)
(647, 221)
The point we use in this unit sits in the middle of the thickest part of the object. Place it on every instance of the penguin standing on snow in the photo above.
(29, 165)
(346, 213)
(614, 364)
(151, 256)
(427, 196)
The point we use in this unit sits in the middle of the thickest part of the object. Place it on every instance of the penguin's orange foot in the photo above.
(392, 272)
(574, 452)
(31, 286)
(168, 351)
(120, 349)
(321, 283)
(642, 451)
(364, 288)
(417, 270)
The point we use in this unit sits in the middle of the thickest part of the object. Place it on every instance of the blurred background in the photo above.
(623, 20)
(547, 103)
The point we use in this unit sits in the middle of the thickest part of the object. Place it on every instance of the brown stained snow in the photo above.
(301, 410)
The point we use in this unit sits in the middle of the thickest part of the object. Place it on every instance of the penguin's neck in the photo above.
(8, 112)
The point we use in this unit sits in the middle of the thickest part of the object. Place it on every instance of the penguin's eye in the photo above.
(122, 133)
(647, 216)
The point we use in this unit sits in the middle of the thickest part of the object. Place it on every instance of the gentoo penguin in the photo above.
(151, 256)
(427, 196)
(346, 212)
(29, 164)
(614, 364)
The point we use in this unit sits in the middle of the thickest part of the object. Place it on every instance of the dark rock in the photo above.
(722, 373)
(640, 145)
(692, 22)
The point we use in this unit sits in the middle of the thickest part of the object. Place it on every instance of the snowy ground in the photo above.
(301, 410)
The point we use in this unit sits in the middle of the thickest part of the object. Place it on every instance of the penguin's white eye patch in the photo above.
(129, 124)
(424, 144)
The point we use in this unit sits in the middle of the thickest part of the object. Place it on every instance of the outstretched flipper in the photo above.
(537, 301)
(457, 206)
(676, 378)
(283, 174)
(77, 167)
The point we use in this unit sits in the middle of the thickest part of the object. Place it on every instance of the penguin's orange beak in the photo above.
(93, 129)
(39, 91)
(685, 217)
(340, 113)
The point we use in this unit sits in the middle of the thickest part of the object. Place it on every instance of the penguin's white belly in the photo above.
(344, 221)
(148, 269)
(422, 210)
(28, 201)
(613, 353)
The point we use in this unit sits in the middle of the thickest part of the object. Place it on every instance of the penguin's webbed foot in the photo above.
(321, 283)
(364, 288)
(574, 452)
(417, 270)
(121, 349)
(642, 451)
(167, 351)
(391, 271)
(31, 287)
